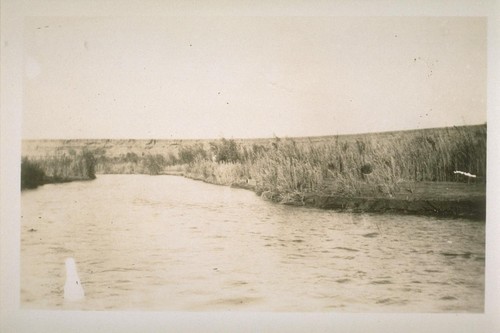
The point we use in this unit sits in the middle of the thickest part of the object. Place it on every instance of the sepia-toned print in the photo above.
(269, 164)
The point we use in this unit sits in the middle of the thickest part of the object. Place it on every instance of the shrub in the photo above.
(57, 168)
(32, 174)
(89, 164)
(153, 164)
(188, 154)
(226, 151)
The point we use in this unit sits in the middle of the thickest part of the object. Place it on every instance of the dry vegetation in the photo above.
(287, 169)
(57, 169)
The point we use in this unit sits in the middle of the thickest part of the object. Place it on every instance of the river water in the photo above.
(170, 243)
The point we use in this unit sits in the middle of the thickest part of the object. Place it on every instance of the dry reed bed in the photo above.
(288, 169)
(57, 168)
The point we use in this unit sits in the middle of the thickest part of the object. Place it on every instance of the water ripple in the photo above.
(345, 248)
(169, 243)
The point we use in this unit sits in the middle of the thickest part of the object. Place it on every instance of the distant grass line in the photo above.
(131, 163)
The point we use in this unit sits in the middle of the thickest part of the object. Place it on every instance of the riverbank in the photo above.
(443, 199)
(57, 169)
(418, 171)
(439, 199)
(56, 180)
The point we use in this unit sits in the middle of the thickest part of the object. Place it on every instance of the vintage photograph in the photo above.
(254, 164)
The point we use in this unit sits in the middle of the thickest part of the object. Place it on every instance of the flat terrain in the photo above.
(117, 147)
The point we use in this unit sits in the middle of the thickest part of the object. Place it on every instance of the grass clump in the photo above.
(57, 168)
(220, 173)
(32, 175)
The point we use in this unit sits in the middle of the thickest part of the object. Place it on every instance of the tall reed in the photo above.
(221, 173)
(347, 165)
(57, 168)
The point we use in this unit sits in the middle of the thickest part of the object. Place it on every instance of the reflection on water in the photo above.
(170, 243)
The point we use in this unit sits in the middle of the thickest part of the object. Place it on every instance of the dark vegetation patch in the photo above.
(57, 168)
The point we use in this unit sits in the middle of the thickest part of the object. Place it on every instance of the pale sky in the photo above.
(243, 77)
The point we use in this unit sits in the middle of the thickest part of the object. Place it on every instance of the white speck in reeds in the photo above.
(465, 174)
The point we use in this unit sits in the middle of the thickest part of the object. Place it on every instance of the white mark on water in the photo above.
(73, 290)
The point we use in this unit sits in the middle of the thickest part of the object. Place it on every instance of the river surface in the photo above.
(170, 243)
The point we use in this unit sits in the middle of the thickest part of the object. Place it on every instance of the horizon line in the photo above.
(255, 138)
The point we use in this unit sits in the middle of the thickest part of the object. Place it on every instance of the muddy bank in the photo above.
(172, 173)
(54, 180)
(425, 198)
(445, 199)
(474, 208)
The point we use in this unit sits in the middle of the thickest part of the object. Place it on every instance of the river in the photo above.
(173, 244)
